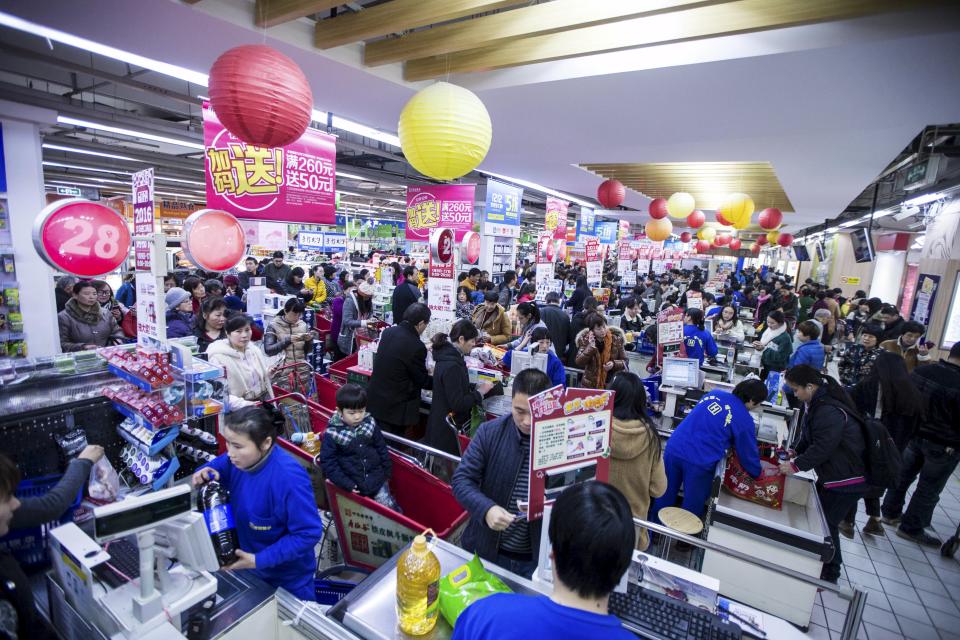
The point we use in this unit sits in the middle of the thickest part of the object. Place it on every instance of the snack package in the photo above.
(766, 490)
(11, 297)
(104, 481)
(465, 585)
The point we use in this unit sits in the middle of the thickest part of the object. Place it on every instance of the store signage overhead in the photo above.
(82, 238)
(443, 205)
(502, 212)
(295, 183)
(556, 220)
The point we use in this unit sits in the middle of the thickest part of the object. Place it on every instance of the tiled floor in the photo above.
(913, 592)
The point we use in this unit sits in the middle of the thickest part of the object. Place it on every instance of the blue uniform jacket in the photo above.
(719, 420)
(555, 369)
(699, 343)
(810, 353)
(276, 517)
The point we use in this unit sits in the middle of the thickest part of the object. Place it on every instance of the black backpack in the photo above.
(881, 457)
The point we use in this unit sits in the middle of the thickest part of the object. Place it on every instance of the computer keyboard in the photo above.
(125, 558)
(653, 615)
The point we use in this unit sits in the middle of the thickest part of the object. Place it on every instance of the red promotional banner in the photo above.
(443, 205)
(556, 222)
(569, 442)
(295, 184)
(142, 184)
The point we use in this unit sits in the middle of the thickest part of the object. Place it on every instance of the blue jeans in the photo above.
(934, 463)
(696, 480)
(523, 568)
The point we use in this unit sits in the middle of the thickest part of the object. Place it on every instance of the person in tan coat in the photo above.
(914, 351)
(636, 463)
(492, 320)
(600, 352)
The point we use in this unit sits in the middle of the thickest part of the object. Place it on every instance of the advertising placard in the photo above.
(441, 285)
(670, 334)
(569, 442)
(441, 205)
(585, 223)
(83, 238)
(909, 289)
(928, 284)
(694, 300)
(606, 231)
(556, 220)
(295, 183)
(142, 183)
(623, 266)
(594, 265)
(628, 279)
(310, 241)
(501, 215)
(151, 316)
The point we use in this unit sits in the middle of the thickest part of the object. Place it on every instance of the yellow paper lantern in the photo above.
(680, 205)
(772, 236)
(659, 229)
(445, 131)
(742, 224)
(737, 209)
(707, 233)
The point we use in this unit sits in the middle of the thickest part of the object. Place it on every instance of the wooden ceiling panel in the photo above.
(397, 16)
(699, 22)
(270, 13)
(708, 182)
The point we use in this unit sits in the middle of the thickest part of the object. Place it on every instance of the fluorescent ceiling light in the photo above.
(353, 176)
(924, 199)
(88, 152)
(365, 131)
(372, 196)
(541, 189)
(180, 195)
(832, 230)
(885, 212)
(47, 163)
(180, 180)
(128, 132)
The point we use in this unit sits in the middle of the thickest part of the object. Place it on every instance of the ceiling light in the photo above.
(129, 132)
(180, 180)
(368, 132)
(832, 230)
(180, 195)
(541, 189)
(82, 168)
(924, 199)
(88, 152)
(353, 176)
(885, 212)
(372, 196)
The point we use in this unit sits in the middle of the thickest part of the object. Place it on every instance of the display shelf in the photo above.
(156, 446)
(133, 379)
(129, 412)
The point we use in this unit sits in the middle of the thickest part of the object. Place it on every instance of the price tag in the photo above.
(82, 238)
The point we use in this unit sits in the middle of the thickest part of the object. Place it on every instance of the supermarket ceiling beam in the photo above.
(499, 28)
(398, 16)
(270, 13)
(694, 23)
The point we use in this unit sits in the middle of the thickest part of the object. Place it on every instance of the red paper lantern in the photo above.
(696, 219)
(785, 239)
(685, 236)
(260, 95)
(213, 240)
(755, 248)
(770, 218)
(611, 193)
(702, 246)
(723, 239)
(735, 244)
(658, 208)
(761, 240)
(723, 220)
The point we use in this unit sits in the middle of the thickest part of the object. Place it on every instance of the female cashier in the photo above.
(719, 420)
(272, 502)
(697, 340)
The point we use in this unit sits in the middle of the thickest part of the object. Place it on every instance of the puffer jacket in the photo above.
(452, 393)
(588, 357)
(363, 463)
(831, 443)
(636, 468)
(939, 383)
(79, 327)
(248, 375)
(317, 288)
(350, 321)
(179, 324)
(279, 338)
(495, 323)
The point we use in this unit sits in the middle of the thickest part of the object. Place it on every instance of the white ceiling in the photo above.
(828, 105)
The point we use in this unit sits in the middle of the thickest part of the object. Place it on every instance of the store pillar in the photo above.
(25, 199)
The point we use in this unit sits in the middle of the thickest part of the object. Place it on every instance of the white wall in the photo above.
(25, 199)
(887, 275)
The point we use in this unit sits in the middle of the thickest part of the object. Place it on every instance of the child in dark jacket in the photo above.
(354, 454)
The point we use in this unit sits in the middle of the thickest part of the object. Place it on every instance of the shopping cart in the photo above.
(370, 333)
(295, 377)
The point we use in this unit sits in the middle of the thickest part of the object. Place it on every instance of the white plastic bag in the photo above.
(104, 481)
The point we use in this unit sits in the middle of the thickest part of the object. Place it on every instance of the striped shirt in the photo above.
(516, 537)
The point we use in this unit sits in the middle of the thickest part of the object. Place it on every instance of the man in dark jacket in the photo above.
(400, 372)
(558, 324)
(493, 475)
(892, 322)
(276, 272)
(405, 294)
(932, 454)
(64, 291)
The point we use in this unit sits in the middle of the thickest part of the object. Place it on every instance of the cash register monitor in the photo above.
(681, 372)
(190, 541)
(134, 515)
(559, 479)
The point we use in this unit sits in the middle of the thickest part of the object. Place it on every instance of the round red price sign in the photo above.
(471, 247)
(213, 240)
(82, 238)
(441, 246)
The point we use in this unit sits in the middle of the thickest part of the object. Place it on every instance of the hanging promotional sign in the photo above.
(470, 248)
(670, 335)
(213, 240)
(546, 254)
(441, 285)
(909, 289)
(594, 265)
(151, 316)
(569, 443)
(441, 205)
(606, 231)
(82, 238)
(556, 220)
(295, 183)
(501, 215)
(321, 241)
(925, 299)
(143, 215)
(585, 223)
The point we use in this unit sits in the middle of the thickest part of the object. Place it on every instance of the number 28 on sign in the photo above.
(80, 237)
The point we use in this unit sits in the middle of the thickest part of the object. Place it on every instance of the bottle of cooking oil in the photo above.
(309, 442)
(418, 588)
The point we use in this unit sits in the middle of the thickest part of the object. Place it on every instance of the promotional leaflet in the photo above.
(556, 220)
(502, 212)
(594, 265)
(295, 183)
(569, 442)
(546, 253)
(430, 207)
(151, 317)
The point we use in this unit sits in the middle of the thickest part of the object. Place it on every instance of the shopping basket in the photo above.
(331, 591)
(29, 545)
(338, 370)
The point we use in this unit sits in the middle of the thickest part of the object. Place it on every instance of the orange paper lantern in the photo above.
(659, 229)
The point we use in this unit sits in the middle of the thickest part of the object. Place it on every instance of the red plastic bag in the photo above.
(766, 490)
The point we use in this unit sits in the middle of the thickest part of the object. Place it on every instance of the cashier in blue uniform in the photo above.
(272, 502)
(697, 340)
(720, 420)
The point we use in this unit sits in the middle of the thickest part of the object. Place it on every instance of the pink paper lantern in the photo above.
(785, 239)
(686, 236)
(702, 246)
(696, 219)
(770, 218)
(658, 208)
(611, 193)
(723, 239)
(735, 244)
(213, 240)
(260, 95)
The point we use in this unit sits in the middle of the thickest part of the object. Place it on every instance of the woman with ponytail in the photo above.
(832, 444)
(452, 391)
(698, 341)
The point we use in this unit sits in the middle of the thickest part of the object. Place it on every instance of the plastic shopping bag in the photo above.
(465, 585)
(104, 481)
(766, 490)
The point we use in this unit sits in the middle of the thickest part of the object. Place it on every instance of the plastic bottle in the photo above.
(309, 442)
(418, 588)
(215, 500)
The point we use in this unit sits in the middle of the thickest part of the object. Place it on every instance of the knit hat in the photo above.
(231, 281)
(175, 296)
(365, 289)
